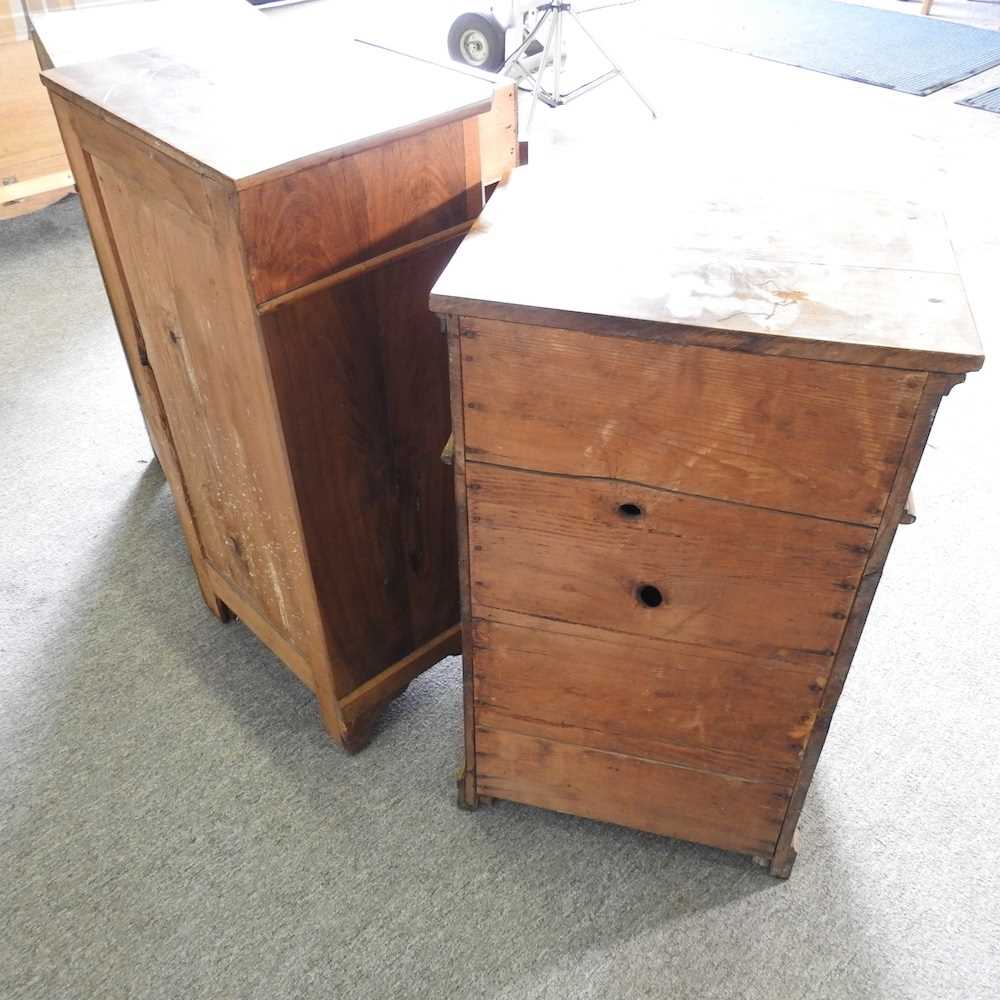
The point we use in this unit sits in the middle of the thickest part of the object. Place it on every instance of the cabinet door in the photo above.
(200, 332)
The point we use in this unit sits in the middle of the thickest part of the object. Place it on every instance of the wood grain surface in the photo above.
(257, 109)
(803, 436)
(346, 210)
(651, 694)
(808, 272)
(680, 802)
(360, 375)
(190, 305)
(754, 581)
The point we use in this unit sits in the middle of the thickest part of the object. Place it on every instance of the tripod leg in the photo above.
(541, 68)
(523, 47)
(617, 68)
(557, 60)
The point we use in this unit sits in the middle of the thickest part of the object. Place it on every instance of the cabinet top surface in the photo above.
(245, 96)
(697, 255)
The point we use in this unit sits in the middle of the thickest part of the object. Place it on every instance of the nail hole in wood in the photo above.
(629, 510)
(649, 595)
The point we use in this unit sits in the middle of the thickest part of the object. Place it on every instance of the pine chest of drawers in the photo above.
(683, 444)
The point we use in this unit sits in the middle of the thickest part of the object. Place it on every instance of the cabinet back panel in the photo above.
(759, 582)
(680, 802)
(654, 695)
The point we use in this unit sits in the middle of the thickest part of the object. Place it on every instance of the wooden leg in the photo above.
(926, 7)
(467, 797)
(216, 606)
(356, 735)
(784, 859)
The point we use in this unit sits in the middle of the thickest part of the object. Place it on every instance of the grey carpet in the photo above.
(174, 824)
(916, 55)
(989, 101)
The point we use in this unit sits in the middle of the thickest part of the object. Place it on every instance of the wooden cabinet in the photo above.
(268, 236)
(682, 448)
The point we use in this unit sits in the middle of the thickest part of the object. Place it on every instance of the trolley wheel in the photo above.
(478, 40)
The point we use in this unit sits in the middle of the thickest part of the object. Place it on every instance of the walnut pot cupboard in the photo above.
(268, 250)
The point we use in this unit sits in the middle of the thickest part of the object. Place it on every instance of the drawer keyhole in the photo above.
(629, 510)
(649, 595)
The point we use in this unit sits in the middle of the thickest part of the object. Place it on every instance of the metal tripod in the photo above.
(553, 14)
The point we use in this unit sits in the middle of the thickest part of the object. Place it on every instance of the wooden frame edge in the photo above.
(935, 388)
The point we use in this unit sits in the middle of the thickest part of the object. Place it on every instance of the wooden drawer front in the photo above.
(761, 582)
(325, 218)
(678, 703)
(807, 436)
(726, 812)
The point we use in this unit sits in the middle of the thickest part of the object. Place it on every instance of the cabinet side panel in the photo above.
(201, 339)
(360, 373)
(415, 359)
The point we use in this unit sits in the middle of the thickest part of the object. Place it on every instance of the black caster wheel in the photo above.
(478, 40)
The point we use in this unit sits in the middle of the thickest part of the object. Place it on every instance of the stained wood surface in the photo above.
(676, 801)
(360, 374)
(258, 108)
(936, 388)
(804, 272)
(73, 125)
(67, 37)
(190, 305)
(733, 577)
(344, 211)
(498, 134)
(468, 797)
(789, 434)
(647, 696)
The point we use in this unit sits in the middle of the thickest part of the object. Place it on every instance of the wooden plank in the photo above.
(348, 210)
(759, 582)
(30, 146)
(468, 797)
(58, 183)
(646, 692)
(726, 812)
(357, 270)
(748, 269)
(498, 131)
(394, 679)
(794, 435)
(699, 758)
(937, 386)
